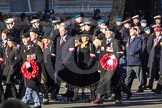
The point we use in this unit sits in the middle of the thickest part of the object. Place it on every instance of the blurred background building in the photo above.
(147, 7)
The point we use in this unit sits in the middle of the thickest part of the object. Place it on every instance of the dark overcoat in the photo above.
(105, 76)
(24, 52)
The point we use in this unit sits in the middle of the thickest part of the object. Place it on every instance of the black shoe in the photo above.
(45, 102)
(144, 87)
(156, 91)
(68, 94)
(83, 95)
(129, 94)
(74, 100)
(38, 106)
(149, 87)
(139, 90)
(53, 98)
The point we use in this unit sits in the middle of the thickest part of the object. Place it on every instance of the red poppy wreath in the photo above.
(35, 69)
(109, 62)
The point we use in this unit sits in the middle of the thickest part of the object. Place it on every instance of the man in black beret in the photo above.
(10, 24)
(35, 23)
(30, 52)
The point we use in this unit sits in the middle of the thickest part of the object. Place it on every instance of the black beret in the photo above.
(11, 38)
(45, 37)
(85, 34)
(33, 30)
(26, 35)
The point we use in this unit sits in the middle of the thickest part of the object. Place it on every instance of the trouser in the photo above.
(1, 93)
(52, 87)
(44, 91)
(115, 85)
(55, 90)
(112, 84)
(10, 88)
(131, 71)
(154, 74)
(145, 70)
(159, 84)
(21, 88)
(34, 93)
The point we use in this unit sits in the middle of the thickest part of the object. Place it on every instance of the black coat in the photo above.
(116, 48)
(150, 42)
(144, 54)
(24, 52)
(10, 56)
(1, 64)
(79, 66)
(154, 55)
(116, 29)
(124, 35)
(49, 60)
(105, 85)
(75, 28)
(59, 58)
(54, 34)
(161, 59)
(2, 56)
(84, 60)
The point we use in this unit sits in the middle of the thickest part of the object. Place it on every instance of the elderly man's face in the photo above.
(136, 20)
(132, 32)
(25, 41)
(62, 31)
(158, 21)
(158, 33)
(33, 36)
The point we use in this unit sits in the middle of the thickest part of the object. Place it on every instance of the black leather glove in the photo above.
(29, 69)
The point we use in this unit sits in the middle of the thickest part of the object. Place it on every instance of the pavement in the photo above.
(146, 99)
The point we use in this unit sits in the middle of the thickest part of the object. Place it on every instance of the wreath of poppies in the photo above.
(35, 69)
(109, 62)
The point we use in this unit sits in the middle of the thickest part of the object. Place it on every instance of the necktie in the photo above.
(156, 41)
(61, 40)
(131, 40)
(107, 41)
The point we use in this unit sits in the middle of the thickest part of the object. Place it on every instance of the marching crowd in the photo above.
(84, 53)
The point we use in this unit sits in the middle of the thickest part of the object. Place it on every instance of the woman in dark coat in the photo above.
(83, 75)
(3, 46)
(86, 60)
(11, 53)
(1, 70)
(49, 62)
